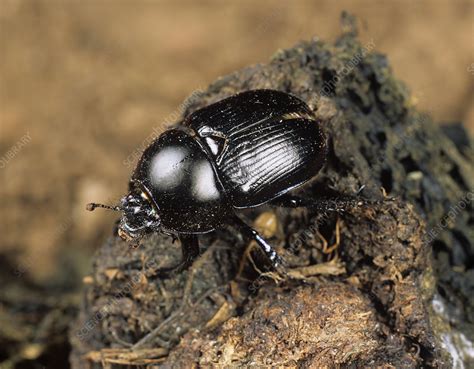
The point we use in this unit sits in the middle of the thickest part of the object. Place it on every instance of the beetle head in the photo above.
(139, 216)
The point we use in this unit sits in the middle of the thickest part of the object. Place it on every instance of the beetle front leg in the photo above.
(252, 234)
(189, 249)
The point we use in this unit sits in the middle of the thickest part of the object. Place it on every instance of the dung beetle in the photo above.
(238, 153)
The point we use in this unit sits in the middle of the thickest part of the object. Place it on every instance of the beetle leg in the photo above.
(252, 234)
(190, 250)
(335, 204)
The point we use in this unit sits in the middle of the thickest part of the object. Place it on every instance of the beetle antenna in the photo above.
(91, 206)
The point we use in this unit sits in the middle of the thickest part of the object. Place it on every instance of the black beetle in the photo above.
(241, 152)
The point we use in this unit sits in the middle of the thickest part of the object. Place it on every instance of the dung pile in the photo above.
(361, 282)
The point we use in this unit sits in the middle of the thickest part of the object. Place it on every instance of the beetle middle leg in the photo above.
(335, 204)
(252, 234)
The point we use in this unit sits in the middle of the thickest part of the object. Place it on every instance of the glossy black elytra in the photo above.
(246, 150)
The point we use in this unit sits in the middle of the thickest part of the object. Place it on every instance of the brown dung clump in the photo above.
(360, 284)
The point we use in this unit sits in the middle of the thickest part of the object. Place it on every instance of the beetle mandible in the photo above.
(241, 152)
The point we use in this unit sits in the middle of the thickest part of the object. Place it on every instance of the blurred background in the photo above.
(84, 83)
